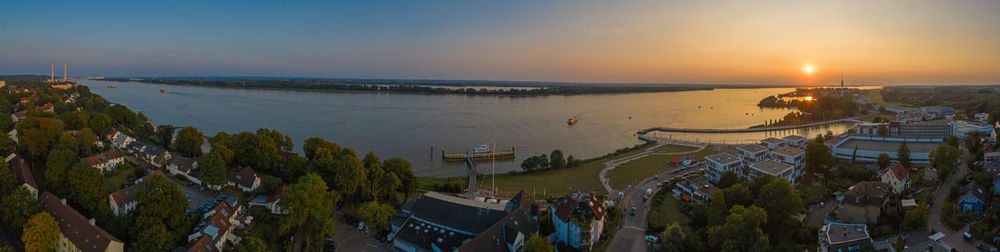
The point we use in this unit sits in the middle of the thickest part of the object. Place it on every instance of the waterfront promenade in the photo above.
(762, 129)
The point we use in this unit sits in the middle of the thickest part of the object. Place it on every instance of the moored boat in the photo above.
(572, 120)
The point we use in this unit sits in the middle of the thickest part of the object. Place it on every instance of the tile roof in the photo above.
(203, 244)
(103, 158)
(579, 205)
(22, 172)
(183, 164)
(276, 196)
(245, 177)
(898, 171)
(870, 193)
(75, 227)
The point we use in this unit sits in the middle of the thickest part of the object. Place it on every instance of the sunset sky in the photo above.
(712, 42)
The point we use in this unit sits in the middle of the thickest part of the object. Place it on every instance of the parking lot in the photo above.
(197, 197)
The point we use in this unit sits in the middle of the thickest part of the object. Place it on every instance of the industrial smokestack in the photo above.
(52, 77)
(64, 71)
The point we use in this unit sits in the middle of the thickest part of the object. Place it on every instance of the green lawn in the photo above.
(877, 98)
(117, 181)
(664, 211)
(639, 169)
(673, 148)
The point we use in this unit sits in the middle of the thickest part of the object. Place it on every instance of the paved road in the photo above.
(197, 197)
(348, 238)
(953, 238)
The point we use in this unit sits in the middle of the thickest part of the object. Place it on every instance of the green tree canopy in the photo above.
(189, 141)
(100, 123)
(376, 214)
(252, 244)
(903, 155)
(18, 206)
(556, 160)
(884, 160)
(818, 158)
(742, 231)
(161, 203)
(213, 169)
(257, 151)
(40, 233)
(164, 135)
(309, 205)
(538, 243)
(87, 187)
(57, 167)
(282, 141)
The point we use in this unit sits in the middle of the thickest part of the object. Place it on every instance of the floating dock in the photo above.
(477, 156)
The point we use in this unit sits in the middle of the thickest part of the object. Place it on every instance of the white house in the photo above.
(795, 141)
(106, 161)
(719, 164)
(773, 168)
(245, 179)
(123, 201)
(897, 177)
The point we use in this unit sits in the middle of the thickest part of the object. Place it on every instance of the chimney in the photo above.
(92, 222)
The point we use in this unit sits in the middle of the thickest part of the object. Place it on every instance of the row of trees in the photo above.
(555, 160)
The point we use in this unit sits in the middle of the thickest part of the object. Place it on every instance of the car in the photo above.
(191, 183)
(822, 204)
(188, 196)
(967, 236)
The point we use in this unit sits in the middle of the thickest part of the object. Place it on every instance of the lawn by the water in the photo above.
(673, 148)
(639, 169)
(555, 183)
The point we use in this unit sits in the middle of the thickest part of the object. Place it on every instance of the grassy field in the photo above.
(665, 210)
(877, 98)
(117, 181)
(673, 148)
(638, 169)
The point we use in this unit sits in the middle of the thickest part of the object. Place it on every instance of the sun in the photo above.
(809, 98)
(809, 69)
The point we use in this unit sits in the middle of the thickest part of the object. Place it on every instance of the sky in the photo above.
(761, 42)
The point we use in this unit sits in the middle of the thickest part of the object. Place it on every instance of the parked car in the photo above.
(967, 236)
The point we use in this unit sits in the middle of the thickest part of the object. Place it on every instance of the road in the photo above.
(348, 238)
(953, 238)
(197, 197)
(631, 235)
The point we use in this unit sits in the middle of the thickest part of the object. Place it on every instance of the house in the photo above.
(864, 201)
(151, 152)
(751, 153)
(578, 219)
(773, 168)
(836, 237)
(48, 107)
(134, 147)
(982, 117)
(121, 140)
(125, 200)
(181, 165)
(795, 141)
(438, 222)
(203, 244)
(930, 174)
(245, 179)
(937, 112)
(22, 173)
(76, 232)
(772, 143)
(270, 202)
(864, 101)
(218, 226)
(694, 188)
(793, 156)
(719, 164)
(973, 197)
(992, 167)
(107, 161)
(897, 177)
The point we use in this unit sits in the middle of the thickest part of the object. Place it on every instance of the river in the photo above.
(410, 125)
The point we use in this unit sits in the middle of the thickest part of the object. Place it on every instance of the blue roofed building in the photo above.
(973, 197)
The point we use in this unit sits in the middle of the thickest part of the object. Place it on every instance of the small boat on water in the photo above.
(480, 152)
(112, 86)
(572, 120)
(163, 90)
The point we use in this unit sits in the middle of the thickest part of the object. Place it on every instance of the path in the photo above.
(692, 130)
(953, 238)
(631, 235)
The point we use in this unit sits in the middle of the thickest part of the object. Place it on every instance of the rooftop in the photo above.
(898, 171)
(723, 158)
(837, 233)
(22, 172)
(103, 158)
(794, 137)
(789, 151)
(772, 140)
(752, 148)
(75, 227)
(771, 167)
(888, 147)
(867, 193)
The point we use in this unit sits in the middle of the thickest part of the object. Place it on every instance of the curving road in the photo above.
(953, 238)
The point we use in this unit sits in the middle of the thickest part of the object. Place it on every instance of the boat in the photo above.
(478, 153)
(572, 120)
(163, 90)
(112, 86)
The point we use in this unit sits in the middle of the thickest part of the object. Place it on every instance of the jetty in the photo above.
(762, 129)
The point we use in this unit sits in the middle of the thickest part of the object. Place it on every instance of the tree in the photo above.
(882, 130)
(36, 142)
(953, 141)
(673, 238)
(295, 167)
(780, 200)
(729, 178)
(18, 206)
(282, 141)
(917, 217)
(85, 141)
(161, 203)
(68, 142)
(100, 123)
(257, 151)
(556, 160)
(75, 120)
(718, 209)
(40, 233)
(538, 243)
(818, 157)
(154, 238)
(309, 206)
(252, 244)
(312, 145)
(742, 231)
(403, 170)
(883, 160)
(270, 185)
(8, 182)
(900, 243)
(213, 169)
(87, 187)
(903, 154)
(945, 158)
(164, 135)
(57, 166)
(189, 141)
(375, 214)
(854, 155)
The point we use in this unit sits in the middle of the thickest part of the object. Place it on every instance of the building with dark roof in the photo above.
(125, 200)
(245, 179)
(438, 222)
(773, 168)
(694, 188)
(76, 232)
(864, 201)
(972, 197)
(578, 219)
(22, 172)
(843, 237)
(106, 161)
(181, 165)
(217, 225)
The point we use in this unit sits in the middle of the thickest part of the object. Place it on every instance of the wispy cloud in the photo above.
(596, 31)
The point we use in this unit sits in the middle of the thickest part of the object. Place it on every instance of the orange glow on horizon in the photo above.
(809, 98)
